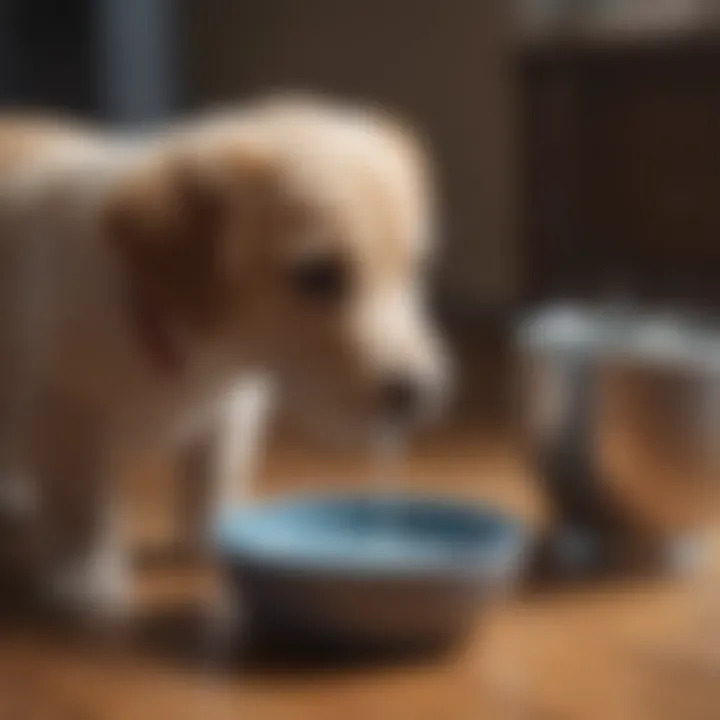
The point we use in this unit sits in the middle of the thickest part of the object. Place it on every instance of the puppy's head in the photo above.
(294, 236)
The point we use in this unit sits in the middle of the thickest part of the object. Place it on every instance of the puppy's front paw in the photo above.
(94, 589)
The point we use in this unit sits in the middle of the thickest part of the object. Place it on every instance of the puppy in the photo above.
(143, 280)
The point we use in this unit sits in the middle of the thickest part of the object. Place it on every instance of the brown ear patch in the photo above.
(165, 222)
(193, 230)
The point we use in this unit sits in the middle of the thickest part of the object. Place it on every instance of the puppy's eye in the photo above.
(322, 279)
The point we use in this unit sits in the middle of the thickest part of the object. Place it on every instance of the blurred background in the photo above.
(576, 139)
(578, 148)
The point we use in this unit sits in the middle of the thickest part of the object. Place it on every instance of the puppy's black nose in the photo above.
(401, 398)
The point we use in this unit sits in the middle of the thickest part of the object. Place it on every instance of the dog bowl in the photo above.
(370, 571)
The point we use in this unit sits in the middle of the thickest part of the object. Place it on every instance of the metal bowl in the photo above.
(621, 410)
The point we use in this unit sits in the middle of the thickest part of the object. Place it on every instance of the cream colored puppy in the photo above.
(142, 280)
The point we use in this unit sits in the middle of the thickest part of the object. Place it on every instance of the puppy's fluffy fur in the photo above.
(142, 279)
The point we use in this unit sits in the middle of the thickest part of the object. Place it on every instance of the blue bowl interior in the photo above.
(366, 534)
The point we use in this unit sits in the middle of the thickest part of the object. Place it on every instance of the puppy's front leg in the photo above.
(197, 471)
(216, 469)
(83, 563)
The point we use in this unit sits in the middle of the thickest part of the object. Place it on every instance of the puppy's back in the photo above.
(28, 138)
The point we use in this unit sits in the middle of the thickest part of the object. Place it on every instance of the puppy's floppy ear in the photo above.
(163, 219)
(184, 226)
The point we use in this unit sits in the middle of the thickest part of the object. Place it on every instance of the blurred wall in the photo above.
(446, 65)
(48, 55)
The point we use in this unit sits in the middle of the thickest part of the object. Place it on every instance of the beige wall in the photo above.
(445, 64)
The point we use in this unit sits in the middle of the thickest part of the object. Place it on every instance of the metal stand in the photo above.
(138, 78)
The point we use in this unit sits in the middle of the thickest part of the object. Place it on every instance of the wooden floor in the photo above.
(609, 653)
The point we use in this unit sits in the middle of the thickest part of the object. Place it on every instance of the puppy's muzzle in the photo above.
(407, 400)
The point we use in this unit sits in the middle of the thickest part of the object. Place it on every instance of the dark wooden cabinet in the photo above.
(622, 148)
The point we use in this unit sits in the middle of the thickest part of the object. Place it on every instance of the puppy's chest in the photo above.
(172, 409)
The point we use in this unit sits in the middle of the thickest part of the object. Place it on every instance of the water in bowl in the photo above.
(391, 536)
